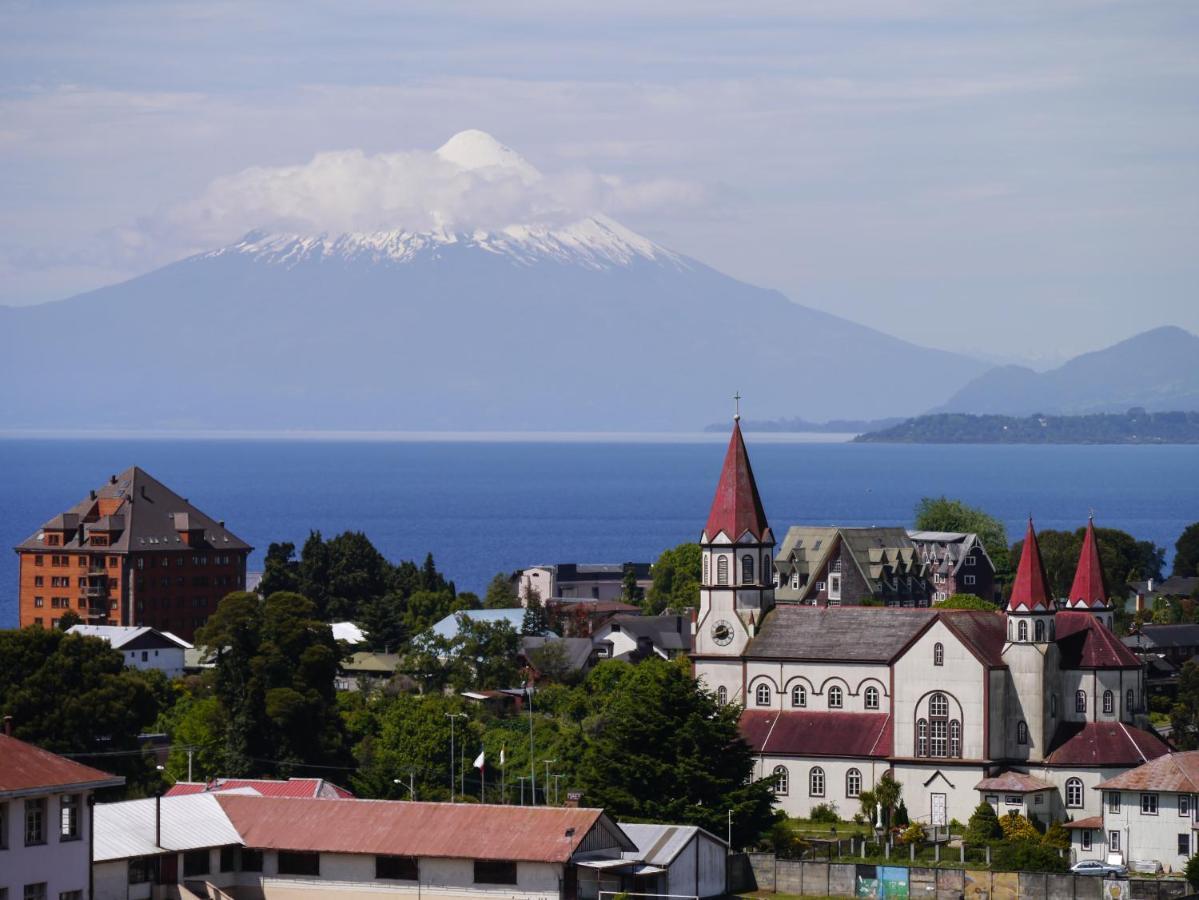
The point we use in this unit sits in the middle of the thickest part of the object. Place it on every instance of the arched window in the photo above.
(1021, 733)
(780, 781)
(853, 783)
(1073, 793)
(1022, 630)
(747, 569)
(799, 696)
(834, 697)
(1130, 700)
(955, 739)
(938, 705)
(722, 569)
(707, 573)
(1080, 701)
(872, 697)
(816, 782)
(1039, 631)
(938, 725)
(938, 654)
(762, 695)
(1109, 703)
(722, 695)
(922, 738)
(1011, 629)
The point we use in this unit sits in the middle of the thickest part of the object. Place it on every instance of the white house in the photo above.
(692, 861)
(1149, 814)
(639, 637)
(45, 822)
(580, 581)
(946, 700)
(143, 647)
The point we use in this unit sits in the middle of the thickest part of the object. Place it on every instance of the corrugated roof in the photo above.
(121, 635)
(26, 769)
(312, 788)
(804, 733)
(659, 845)
(982, 631)
(448, 626)
(124, 830)
(846, 633)
(453, 830)
(1015, 783)
(1102, 744)
(1173, 772)
(737, 508)
(1086, 643)
(1089, 823)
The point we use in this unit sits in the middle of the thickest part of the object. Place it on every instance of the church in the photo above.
(1029, 708)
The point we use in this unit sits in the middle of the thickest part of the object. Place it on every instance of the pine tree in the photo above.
(983, 826)
(535, 622)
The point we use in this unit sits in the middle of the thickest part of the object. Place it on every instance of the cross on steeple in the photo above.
(737, 407)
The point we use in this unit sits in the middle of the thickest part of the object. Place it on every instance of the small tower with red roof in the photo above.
(737, 581)
(1031, 607)
(1089, 590)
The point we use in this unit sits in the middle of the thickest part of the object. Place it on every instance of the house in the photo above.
(310, 788)
(837, 566)
(1149, 813)
(449, 627)
(143, 647)
(1176, 643)
(955, 563)
(280, 848)
(45, 821)
(573, 655)
(131, 553)
(833, 697)
(366, 671)
(1141, 594)
(580, 618)
(578, 581)
(634, 638)
(692, 861)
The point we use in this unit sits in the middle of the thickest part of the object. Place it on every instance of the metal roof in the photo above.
(1173, 772)
(659, 845)
(26, 769)
(818, 733)
(737, 508)
(190, 822)
(120, 635)
(843, 634)
(448, 627)
(263, 787)
(1102, 744)
(1014, 783)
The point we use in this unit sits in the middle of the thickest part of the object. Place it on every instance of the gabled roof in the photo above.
(984, 633)
(1102, 744)
(667, 631)
(737, 508)
(1014, 783)
(1086, 643)
(660, 845)
(1152, 637)
(814, 733)
(1177, 772)
(952, 547)
(130, 637)
(26, 770)
(1089, 590)
(450, 830)
(1031, 591)
(311, 788)
(844, 633)
(127, 829)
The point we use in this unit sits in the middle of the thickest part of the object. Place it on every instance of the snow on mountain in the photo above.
(473, 150)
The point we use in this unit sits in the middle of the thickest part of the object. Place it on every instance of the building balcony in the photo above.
(96, 591)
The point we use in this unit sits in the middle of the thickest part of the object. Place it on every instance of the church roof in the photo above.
(983, 632)
(737, 508)
(1086, 643)
(1102, 744)
(1089, 589)
(839, 633)
(812, 733)
(1014, 783)
(1031, 590)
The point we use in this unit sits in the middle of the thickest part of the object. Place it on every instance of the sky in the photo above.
(1013, 180)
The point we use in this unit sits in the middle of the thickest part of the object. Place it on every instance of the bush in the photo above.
(825, 813)
(1026, 856)
(1192, 871)
(913, 834)
(1017, 828)
(983, 826)
(1056, 836)
(955, 827)
(785, 841)
(901, 815)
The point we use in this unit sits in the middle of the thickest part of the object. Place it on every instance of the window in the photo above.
(969, 580)
(795, 581)
(1184, 804)
(488, 871)
(35, 891)
(1022, 630)
(871, 699)
(834, 587)
(1184, 845)
(938, 732)
(68, 816)
(251, 860)
(1086, 839)
(706, 568)
(968, 561)
(196, 862)
(1039, 631)
(1130, 700)
(799, 696)
(762, 695)
(1073, 793)
(853, 783)
(938, 654)
(396, 867)
(922, 738)
(1109, 703)
(938, 705)
(780, 781)
(1021, 733)
(835, 697)
(1113, 841)
(816, 782)
(35, 822)
(1013, 800)
(955, 739)
(722, 570)
(1080, 701)
(70, 895)
(1113, 802)
(747, 569)
(766, 566)
(722, 693)
(1148, 804)
(228, 859)
(292, 862)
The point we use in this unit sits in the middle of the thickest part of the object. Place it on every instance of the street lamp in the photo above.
(452, 717)
(410, 785)
(547, 779)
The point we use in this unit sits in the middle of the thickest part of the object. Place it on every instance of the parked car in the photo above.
(1098, 867)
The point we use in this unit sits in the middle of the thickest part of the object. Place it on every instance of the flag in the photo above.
(503, 748)
(479, 760)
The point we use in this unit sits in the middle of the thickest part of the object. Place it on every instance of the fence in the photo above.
(898, 882)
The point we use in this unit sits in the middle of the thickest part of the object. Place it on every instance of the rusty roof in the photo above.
(1014, 783)
(1091, 822)
(1086, 643)
(1102, 744)
(817, 733)
(397, 828)
(26, 769)
(737, 508)
(1177, 772)
(293, 787)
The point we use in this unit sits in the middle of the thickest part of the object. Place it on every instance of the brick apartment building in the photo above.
(132, 552)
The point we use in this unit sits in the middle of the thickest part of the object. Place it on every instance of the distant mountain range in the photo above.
(1132, 427)
(581, 326)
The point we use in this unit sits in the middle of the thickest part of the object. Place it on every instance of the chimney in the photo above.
(92, 494)
(8, 725)
(1149, 588)
(112, 479)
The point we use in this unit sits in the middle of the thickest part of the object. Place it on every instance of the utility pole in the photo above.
(522, 779)
(452, 717)
(557, 776)
(532, 759)
(190, 751)
(547, 779)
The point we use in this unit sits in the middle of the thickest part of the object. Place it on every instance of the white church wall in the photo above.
(717, 673)
(955, 783)
(961, 678)
(798, 801)
(817, 678)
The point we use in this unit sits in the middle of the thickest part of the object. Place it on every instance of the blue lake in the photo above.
(486, 507)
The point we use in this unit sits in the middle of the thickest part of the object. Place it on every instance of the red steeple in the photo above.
(1089, 589)
(1031, 590)
(737, 508)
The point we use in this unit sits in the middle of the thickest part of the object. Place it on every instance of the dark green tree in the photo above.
(500, 594)
(1192, 872)
(983, 826)
(944, 514)
(630, 591)
(480, 656)
(966, 601)
(676, 577)
(280, 570)
(68, 620)
(1184, 714)
(384, 621)
(535, 621)
(1186, 552)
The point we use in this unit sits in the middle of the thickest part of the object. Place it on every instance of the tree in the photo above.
(1186, 552)
(551, 662)
(888, 793)
(676, 577)
(944, 514)
(966, 601)
(280, 570)
(658, 747)
(983, 827)
(1056, 836)
(630, 591)
(1017, 828)
(535, 622)
(1184, 715)
(1192, 872)
(69, 620)
(383, 619)
(500, 594)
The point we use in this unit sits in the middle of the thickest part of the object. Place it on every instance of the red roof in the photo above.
(737, 508)
(312, 788)
(1102, 744)
(1089, 588)
(983, 632)
(1014, 783)
(1086, 643)
(1175, 772)
(389, 827)
(805, 733)
(26, 769)
(1031, 589)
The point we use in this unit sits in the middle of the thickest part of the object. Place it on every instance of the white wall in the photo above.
(169, 661)
(961, 679)
(798, 800)
(817, 677)
(62, 865)
(1146, 836)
